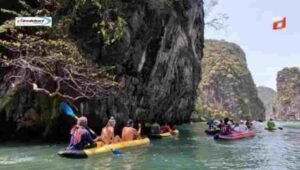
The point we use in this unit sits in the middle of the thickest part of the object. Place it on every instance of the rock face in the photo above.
(227, 87)
(159, 58)
(287, 101)
(155, 56)
(267, 95)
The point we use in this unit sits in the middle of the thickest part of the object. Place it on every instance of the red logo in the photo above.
(279, 23)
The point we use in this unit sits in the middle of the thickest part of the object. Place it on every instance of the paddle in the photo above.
(69, 112)
(118, 153)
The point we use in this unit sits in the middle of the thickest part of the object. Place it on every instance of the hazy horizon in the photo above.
(250, 26)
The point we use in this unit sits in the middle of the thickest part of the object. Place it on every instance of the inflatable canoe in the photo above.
(271, 128)
(212, 132)
(100, 149)
(236, 135)
(163, 135)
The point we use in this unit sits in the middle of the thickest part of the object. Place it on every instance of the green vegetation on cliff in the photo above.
(227, 87)
(42, 66)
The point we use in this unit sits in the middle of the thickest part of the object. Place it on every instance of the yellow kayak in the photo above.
(167, 134)
(100, 149)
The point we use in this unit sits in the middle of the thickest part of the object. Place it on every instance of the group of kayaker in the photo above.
(81, 136)
(157, 129)
(226, 126)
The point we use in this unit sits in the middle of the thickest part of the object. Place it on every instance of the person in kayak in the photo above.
(80, 136)
(108, 132)
(129, 132)
(214, 126)
(249, 124)
(210, 123)
(231, 123)
(271, 124)
(155, 129)
(165, 128)
(216, 123)
(241, 127)
(221, 124)
(236, 127)
(226, 128)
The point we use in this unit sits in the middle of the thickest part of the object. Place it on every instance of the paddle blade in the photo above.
(116, 152)
(67, 109)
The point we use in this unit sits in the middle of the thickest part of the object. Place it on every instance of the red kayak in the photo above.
(236, 135)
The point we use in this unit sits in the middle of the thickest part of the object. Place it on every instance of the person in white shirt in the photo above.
(241, 127)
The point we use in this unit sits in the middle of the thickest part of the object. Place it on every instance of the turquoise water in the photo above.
(193, 149)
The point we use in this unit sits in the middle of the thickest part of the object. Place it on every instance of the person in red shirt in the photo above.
(165, 128)
(226, 128)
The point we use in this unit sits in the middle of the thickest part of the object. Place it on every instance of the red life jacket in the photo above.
(76, 133)
(226, 129)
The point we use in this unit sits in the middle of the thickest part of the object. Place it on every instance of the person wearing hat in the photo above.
(108, 132)
(80, 136)
(129, 132)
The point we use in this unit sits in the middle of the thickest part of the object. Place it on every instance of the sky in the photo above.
(250, 26)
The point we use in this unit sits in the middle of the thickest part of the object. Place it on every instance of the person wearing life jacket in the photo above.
(80, 136)
(226, 128)
(130, 133)
(271, 124)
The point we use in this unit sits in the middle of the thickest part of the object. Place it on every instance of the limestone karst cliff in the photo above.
(227, 87)
(286, 105)
(267, 95)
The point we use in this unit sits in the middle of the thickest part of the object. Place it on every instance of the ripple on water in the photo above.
(279, 150)
(5, 160)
